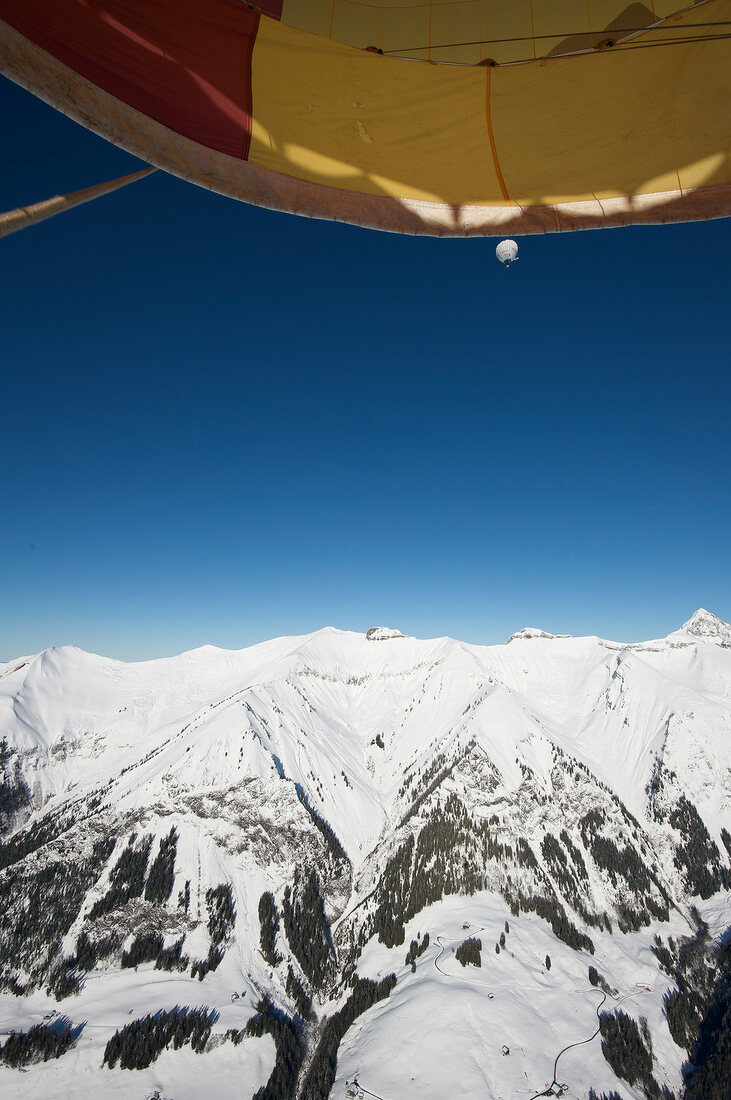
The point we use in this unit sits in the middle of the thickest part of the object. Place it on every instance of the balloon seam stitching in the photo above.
(491, 135)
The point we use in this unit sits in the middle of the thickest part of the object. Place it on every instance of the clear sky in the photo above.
(222, 424)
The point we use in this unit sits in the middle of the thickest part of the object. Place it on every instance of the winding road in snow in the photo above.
(581, 1042)
(620, 1000)
(549, 1091)
(458, 977)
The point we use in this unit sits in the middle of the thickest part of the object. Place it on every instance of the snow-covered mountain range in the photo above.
(294, 822)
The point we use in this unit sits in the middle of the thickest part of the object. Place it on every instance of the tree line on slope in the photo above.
(126, 879)
(40, 1043)
(697, 855)
(41, 903)
(698, 1013)
(448, 856)
(333, 846)
(129, 878)
(150, 947)
(566, 865)
(627, 1047)
(691, 963)
(38, 905)
(307, 928)
(289, 1043)
(139, 1043)
(648, 899)
(298, 993)
(159, 885)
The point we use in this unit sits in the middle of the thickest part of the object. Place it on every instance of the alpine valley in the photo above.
(430, 868)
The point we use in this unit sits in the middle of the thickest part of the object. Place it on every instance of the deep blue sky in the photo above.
(222, 424)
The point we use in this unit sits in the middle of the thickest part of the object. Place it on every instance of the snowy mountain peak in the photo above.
(383, 633)
(702, 624)
(532, 632)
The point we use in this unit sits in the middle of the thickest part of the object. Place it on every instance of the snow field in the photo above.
(439, 1036)
(108, 1001)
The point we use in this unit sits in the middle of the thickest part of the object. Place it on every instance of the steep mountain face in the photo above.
(301, 840)
(705, 625)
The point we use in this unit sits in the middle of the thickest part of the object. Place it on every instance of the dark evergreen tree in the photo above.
(564, 929)
(86, 952)
(172, 958)
(416, 950)
(526, 855)
(576, 856)
(726, 838)
(64, 980)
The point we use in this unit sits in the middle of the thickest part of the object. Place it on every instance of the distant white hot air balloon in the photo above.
(507, 252)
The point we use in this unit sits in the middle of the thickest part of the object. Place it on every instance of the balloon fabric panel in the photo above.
(183, 63)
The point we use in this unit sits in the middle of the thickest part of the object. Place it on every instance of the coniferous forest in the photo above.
(139, 1043)
(38, 1044)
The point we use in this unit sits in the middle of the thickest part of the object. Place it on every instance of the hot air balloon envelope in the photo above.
(464, 117)
(507, 252)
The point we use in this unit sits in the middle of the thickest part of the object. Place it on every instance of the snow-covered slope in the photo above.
(577, 788)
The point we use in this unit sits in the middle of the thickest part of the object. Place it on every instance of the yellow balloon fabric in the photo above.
(455, 117)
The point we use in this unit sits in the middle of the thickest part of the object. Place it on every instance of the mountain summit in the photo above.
(529, 632)
(702, 624)
(382, 633)
(320, 858)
